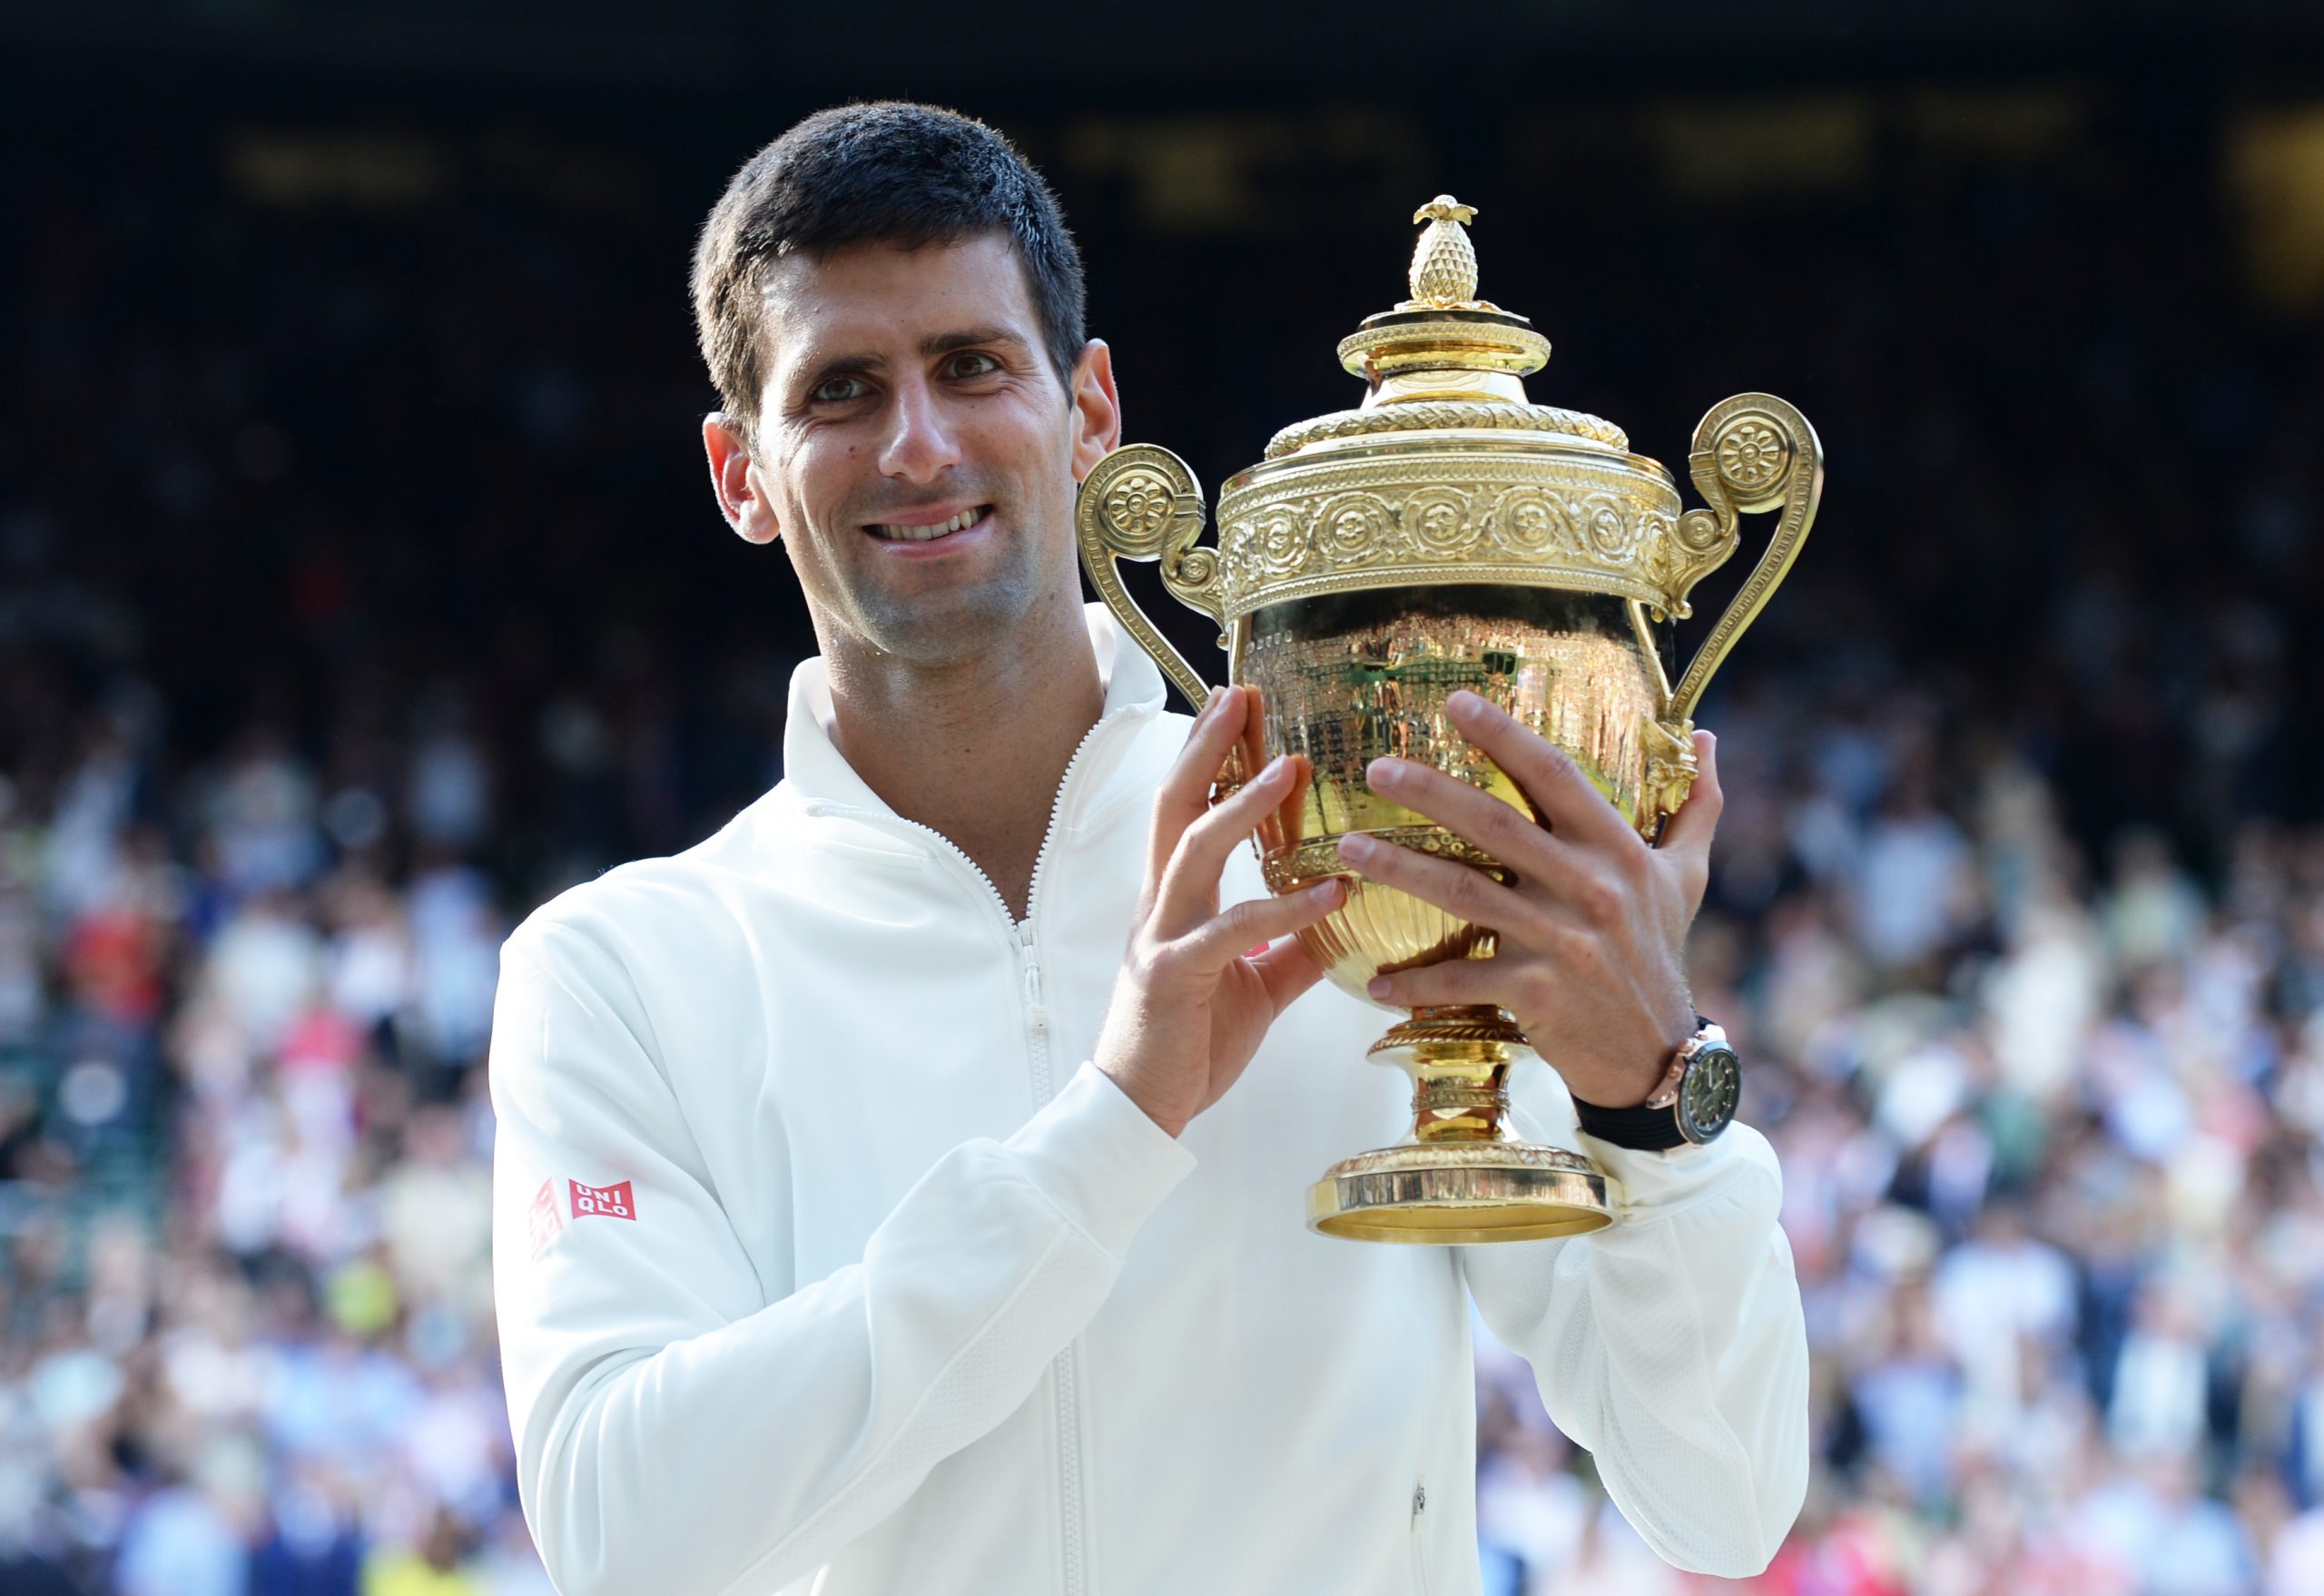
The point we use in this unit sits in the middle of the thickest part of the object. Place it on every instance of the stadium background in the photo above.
(359, 589)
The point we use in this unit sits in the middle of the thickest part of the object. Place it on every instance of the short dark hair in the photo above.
(885, 172)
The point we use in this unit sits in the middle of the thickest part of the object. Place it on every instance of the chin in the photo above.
(966, 622)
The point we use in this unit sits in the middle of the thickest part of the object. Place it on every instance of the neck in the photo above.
(973, 747)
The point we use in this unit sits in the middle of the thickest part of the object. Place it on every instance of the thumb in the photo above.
(1286, 970)
(1690, 831)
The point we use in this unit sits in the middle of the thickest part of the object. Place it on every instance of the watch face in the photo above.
(1708, 1096)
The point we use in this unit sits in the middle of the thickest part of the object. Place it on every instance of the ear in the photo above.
(734, 478)
(1097, 408)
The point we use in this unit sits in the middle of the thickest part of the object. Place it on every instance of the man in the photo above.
(902, 1189)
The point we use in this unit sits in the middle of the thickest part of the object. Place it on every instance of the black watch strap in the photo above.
(1649, 1130)
(1643, 1129)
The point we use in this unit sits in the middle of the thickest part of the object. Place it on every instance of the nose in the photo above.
(918, 446)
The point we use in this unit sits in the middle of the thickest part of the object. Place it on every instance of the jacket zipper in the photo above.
(1420, 1539)
(1068, 1406)
(1021, 930)
(1036, 1025)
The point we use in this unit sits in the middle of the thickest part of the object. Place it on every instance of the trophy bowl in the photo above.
(1449, 533)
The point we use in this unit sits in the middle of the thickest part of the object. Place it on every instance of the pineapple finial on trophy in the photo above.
(1445, 263)
(1443, 344)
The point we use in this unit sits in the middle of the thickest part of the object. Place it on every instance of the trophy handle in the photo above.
(1751, 453)
(1142, 502)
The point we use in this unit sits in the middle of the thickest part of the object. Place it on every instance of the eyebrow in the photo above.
(936, 343)
(945, 343)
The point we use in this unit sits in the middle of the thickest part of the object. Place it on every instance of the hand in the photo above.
(1191, 1005)
(1590, 935)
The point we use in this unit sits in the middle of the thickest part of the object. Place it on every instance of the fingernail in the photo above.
(1382, 773)
(1277, 768)
(1464, 706)
(1217, 696)
(1378, 988)
(1327, 892)
(1356, 848)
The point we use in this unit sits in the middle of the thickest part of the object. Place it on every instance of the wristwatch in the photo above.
(1693, 1102)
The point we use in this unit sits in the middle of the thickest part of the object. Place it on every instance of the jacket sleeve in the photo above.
(680, 1425)
(1673, 1345)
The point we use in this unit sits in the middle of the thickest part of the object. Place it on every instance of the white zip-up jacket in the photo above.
(825, 1262)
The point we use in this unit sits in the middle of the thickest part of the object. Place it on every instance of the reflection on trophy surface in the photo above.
(1449, 533)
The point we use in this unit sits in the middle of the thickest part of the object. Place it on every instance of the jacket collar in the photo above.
(815, 770)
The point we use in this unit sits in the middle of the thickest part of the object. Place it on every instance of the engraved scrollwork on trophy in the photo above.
(1656, 534)
(1611, 535)
(1354, 529)
(1437, 524)
(1279, 537)
(1527, 522)
(1236, 561)
(1141, 502)
(1342, 524)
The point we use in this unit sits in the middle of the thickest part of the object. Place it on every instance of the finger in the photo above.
(1690, 831)
(1188, 889)
(1245, 757)
(1493, 824)
(1249, 756)
(1184, 795)
(1259, 920)
(1461, 891)
(1286, 970)
(1250, 751)
(1567, 800)
(1455, 981)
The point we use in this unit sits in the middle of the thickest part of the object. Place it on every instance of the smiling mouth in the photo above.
(933, 530)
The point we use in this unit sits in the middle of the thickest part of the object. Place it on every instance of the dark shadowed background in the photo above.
(360, 587)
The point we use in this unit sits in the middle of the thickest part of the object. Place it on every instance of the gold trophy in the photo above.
(1449, 533)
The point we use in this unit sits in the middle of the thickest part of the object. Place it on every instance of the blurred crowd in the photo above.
(2049, 1150)
(342, 619)
(244, 1179)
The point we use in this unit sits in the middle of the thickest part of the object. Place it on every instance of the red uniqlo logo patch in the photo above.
(545, 1220)
(612, 1201)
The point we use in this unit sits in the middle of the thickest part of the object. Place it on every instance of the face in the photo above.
(916, 452)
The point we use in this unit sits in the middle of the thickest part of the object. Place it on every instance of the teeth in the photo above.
(959, 523)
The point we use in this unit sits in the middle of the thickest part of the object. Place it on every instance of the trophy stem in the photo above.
(1461, 1178)
(1459, 1060)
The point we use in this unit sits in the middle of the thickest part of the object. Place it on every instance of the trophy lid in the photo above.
(1444, 357)
(1447, 474)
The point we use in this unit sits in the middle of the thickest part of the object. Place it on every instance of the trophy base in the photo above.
(1460, 1178)
(1453, 1194)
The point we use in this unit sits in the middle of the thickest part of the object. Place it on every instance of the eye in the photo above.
(837, 390)
(971, 363)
